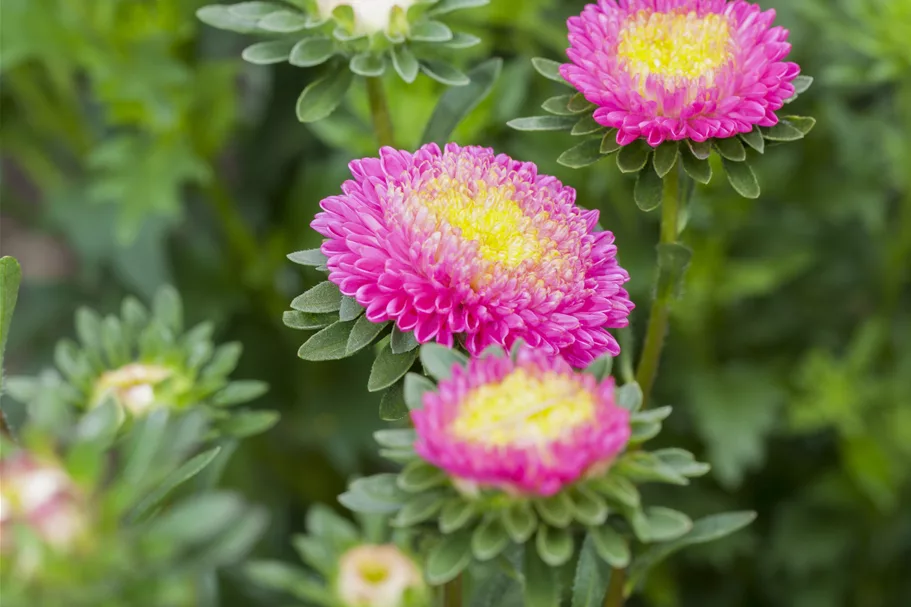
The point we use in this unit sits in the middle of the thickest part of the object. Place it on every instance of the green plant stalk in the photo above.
(379, 112)
(452, 593)
(654, 343)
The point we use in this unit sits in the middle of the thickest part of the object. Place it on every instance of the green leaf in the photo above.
(665, 524)
(588, 507)
(249, 423)
(456, 103)
(88, 329)
(324, 297)
(448, 558)
(362, 334)
(283, 22)
(223, 361)
(707, 529)
(618, 490)
(489, 539)
(185, 472)
(461, 40)
(754, 139)
(396, 439)
(305, 321)
(742, 178)
(682, 461)
(168, 309)
(585, 154)
(392, 405)
(447, 6)
(322, 96)
(632, 158)
(279, 575)
(430, 31)
(556, 510)
(640, 466)
(324, 522)
(241, 391)
(629, 396)
(269, 52)
(802, 84)
(783, 131)
(649, 189)
(309, 257)
(221, 17)
(349, 309)
(457, 513)
(389, 367)
(330, 343)
(368, 64)
(420, 476)
(609, 143)
(415, 387)
(601, 367)
(549, 69)
(665, 158)
(10, 277)
(804, 124)
(444, 72)
(673, 261)
(375, 494)
(590, 582)
(555, 546)
(541, 585)
(418, 509)
(520, 521)
(438, 360)
(311, 52)
(198, 518)
(700, 149)
(730, 148)
(610, 546)
(543, 123)
(699, 169)
(405, 63)
(255, 9)
(586, 126)
(402, 341)
(559, 105)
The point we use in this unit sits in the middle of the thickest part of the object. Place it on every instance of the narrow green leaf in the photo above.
(379, 493)
(448, 558)
(586, 126)
(283, 22)
(241, 391)
(362, 334)
(457, 513)
(405, 63)
(417, 510)
(255, 9)
(430, 31)
(461, 40)
(592, 575)
(673, 261)
(306, 321)
(322, 96)
(742, 178)
(415, 387)
(610, 546)
(543, 123)
(640, 466)
(279, 575)
(489, 539)
(438, 360)
(754, 139)
(444, 73)
(420, 476)
(541, 585)
(447, 6)
(548, 68)
(249, 423)
(324, 297)
(368, 64)
(396, 439)
(730, 148)
(665, 158)
(633, 157)
(783, 131)
(329, 344)
(392, 405)
(585, 154)
(221, 17)
(168, 309)
(456, 103)
(618, 490)
(266, 53)
(649, 189)
(10, 277)
(309, 257)
(558, 105)
(682, 461)
(326, 523)
(310, 52)
(185, 472)
(389, 367)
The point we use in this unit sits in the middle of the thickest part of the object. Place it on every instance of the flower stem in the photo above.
(654, 342)
(452, 593)
(379, 112)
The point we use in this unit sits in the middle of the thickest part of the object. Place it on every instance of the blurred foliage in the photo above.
(137, 140)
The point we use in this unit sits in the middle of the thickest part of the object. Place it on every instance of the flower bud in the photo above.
(370, 16)
(379, 576)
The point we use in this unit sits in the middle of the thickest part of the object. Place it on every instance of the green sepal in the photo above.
(588, 507)
(309, 257)
(283, 22)
(520, 521)
(489, 539)
(549, 69)
(665, 158)
(700, 149)
(640, 466)
(610, 545)
(438, 360)
(633, 157)
(405, 63)
(448, 558)
(399, 438)
(582, 155)
(742, 178)
(402, 341)
(629, 396)
(378, 494)
(559, 105)
(349, 309)
(659, 524)
(754, 139)
(420, 476)
(324, 297)
(389, 367)
(322, 96)
(392, 405)
(555, 510)
(609, 143)
(418, 509)
(267, 53)
(415, 387)
(601, 367)
(554, 546)
(649, 189)
(543, 123)
(444, 72)
(430, 31)
(328, 344)
(456, 513)
(699, 169)
(586, 126)
(362, 334)
(682, 461)
(731, 149)
(617, 489)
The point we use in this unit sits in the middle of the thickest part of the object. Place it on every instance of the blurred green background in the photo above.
(138, 149)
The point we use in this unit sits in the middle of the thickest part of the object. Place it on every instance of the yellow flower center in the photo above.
(674, 45)
(523, 409)
(487, 215)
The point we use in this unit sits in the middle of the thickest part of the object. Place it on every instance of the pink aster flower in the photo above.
(464, 241)
(680, 69)
(530, 427)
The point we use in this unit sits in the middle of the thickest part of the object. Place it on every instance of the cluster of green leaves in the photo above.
(466, 528)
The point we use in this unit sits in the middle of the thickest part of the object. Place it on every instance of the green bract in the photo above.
(471, 523)
(142, 361)
(573, 113)
(350, 37)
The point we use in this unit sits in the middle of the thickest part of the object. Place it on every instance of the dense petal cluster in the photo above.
(680, 69)
(464, 241)
(529, 426)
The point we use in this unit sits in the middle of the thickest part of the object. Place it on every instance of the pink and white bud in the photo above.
(370, 16)
(378, 576)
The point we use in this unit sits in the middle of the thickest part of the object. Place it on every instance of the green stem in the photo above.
(654, 342)
(452, 593)
(379, 112)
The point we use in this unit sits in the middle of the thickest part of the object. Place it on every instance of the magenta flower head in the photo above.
(463, 241)
(680, 69)
(529, 427)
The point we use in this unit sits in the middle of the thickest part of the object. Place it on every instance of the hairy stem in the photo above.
(452, 593)
(379, 112)
(654, 342)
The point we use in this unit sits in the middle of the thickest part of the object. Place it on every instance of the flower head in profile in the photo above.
(680, 69)
(463, 241)
(529, 426)
(379, 576)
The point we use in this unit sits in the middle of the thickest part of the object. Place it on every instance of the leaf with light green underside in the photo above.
(559, 105)
(649, 189)
(629, 396)
(601, 367)
(742, 178)
(640, 467)
(329, 344)
(665, 524)
(588, 507)
(609, 143)
(586, 126)
(610, 545)
(543, 123)
(520, 521)
(240, 391)
(789, 128)
(618, 490)
(368, 64)
(402, 341)
(457, 513)
(405, 63)
(582, 155)
(555, 546)
(324, 95)
(379, 493)
(308, 257)
(489, 539)
(682, 461)
(283, 22)
(279, 575)
(418, 509)
(349, 309)
(447, 6)
(389, 367)
(305, 321)
(266, 53)
(458, 102)
(700, 149)
(633, 157)
(548, 68)
(444, 72)
(430, 31)
(438, 360)
(555, 510)
(673, 261)
(324, 297)
(448, 558)
(420, 476)
(416, 386)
